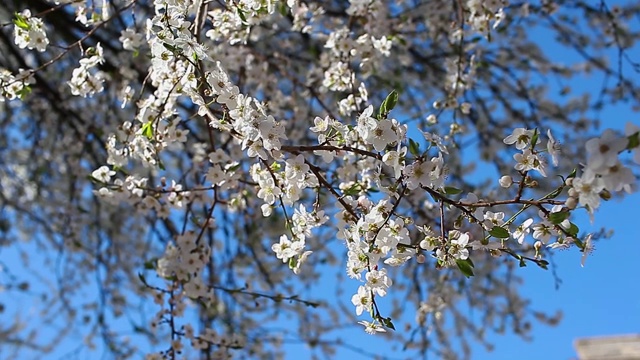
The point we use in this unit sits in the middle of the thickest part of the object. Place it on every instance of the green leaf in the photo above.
(293, 262)
(171, 48)
(283, 9)
(389, 103)
(534, 138)
(23, 92)
(21, 22)
(522, 262)
(450, 190)
(573, 173)
(556, 192)
(353, 190)
(414, 148)
(543, 264)
(147, 130)
(150, 264)
(465, 267)
(387, 323)
(573, 230)
(242, 16)
(233, 168)
(499, 232)
(275, 166)
(482, 64)
(470, 262)
(558, 217)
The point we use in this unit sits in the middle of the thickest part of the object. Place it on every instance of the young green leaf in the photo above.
(573, 230)
(414, 148)
(171, 48)
(450, 190)
(543, 264)
(555, 193)
(293, 262)
(21, 22)
(150, 264)
(465, 267)
(558, 217)
(23, 92)
(534, 138)
(242, 16)
(387, 323)
(147, 130)
(499, 232)
(389, 103)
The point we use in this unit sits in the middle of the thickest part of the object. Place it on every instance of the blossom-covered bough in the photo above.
(196, 172)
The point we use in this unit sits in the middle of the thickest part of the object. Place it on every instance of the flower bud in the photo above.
(420, 259)
(569, 181)
(266, 210)
(465, 107)
(424, 244)
(364, 202)
(537, 246)
(573, 193)
(571, 203)
(506, 181)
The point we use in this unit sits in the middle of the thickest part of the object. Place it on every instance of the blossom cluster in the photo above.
(85, 81)
(604, 171)
(373, 234)
(30, 32)
(15, 86)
